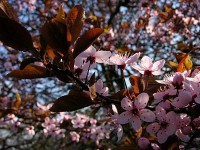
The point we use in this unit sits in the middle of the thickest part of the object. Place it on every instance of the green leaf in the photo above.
(86, 40)
(73, 101)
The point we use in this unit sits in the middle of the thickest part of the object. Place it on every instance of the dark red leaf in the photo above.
(86, 40)
(73, 101)
(31, 71)
(27, 61)
(137, 84)
(15, 35)
(7, 11)
(75, 22)
(54, 34)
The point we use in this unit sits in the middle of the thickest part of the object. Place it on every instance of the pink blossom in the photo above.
(147, 68)
(100, 132)
(123, 60)
(60, 133)
(92, 56)
(93, 122)
(43, 110)
(81, 71)
(165, 126)
(79, 121)
(135, 112)
(118, 127)
(30, 130)
(11, 119)
(163, 98)
(176, 80)
(100, 89)
(184, 128)
(74, 136)
(49, 123)
(183, 99)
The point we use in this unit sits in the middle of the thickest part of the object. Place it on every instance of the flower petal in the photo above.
(146, 62)
(147, 115)
(156, 73)
(136, 122)
(162, 136)
(183, 99)
(171, 117)
(182, 136)
(170, 129)
(119, 132)
(126, 104)
(153, 128)
(160, 113)
(99, 85)
(102, 56)
(114, 109)
(137, 67)
(141, 100)
(132, 58)
(125, 117)
(158, 65)
(90, 51)
(116, 60)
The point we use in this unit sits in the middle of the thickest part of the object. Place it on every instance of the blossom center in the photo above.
(147, 73)
(164, 124)
(123, 66)
(177, 85)
(135, 111)
(91, 59)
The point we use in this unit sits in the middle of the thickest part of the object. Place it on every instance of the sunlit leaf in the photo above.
(172, 64)
(31, 71)
(183, 46)
(73, 101)
(184, 62)
(75, 21)
(18, 100)
(27, 61)
(86, 40)
(92, 87)
(137, 84)
(60, 17)
(15, 35)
